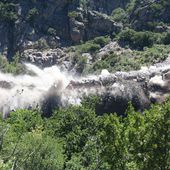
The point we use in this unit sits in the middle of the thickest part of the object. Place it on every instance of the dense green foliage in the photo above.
(76, 138)
(92, 46)
(137, 40)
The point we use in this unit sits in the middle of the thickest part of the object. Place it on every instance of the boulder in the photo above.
(44, 58)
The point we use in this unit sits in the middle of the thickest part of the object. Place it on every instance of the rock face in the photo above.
(107, 6)
(148, 11)
(95, 28)
(57, 21)
(110, 47)
(43, 58)
(90, 26)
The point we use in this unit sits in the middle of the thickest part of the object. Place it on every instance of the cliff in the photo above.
(25, 24)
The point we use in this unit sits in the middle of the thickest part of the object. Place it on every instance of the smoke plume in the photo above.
(26, 91)
(49, 87)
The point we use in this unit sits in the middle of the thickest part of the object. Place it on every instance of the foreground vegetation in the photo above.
(75, 138)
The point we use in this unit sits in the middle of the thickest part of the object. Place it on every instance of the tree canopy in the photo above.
(77, 138)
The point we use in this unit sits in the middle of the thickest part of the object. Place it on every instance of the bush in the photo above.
(93, 46)
(26, 146)
(137, 40)
(119, 14)
(130, 61)
(157, 53)
(41, 44)
(114, 63)
(102, 41)
(88, 47)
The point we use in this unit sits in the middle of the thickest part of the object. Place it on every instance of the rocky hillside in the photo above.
(53, 22)
(98, 99)
(32, 29)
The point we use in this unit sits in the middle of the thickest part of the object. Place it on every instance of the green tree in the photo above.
(158, 146)
(25, 145)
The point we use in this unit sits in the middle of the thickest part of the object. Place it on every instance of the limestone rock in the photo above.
(51, 22)
(43, 58)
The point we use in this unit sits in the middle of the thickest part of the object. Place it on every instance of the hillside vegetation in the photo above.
(142, 26)
(86, 36)
(76, 138)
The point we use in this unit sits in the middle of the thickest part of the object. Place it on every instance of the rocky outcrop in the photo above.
(55, 23)
(50, 57)
(91, 26)
(148, 14)
(95, 28)
(77, 30)
(107, 6)
(43, 58)
(113, 46)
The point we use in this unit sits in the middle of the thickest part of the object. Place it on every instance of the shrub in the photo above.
(92, 46)
(88, 47)
(102, 41)
(41, 44)
(126, 36)
(137, 40)
(154, 55)
(119, 14)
